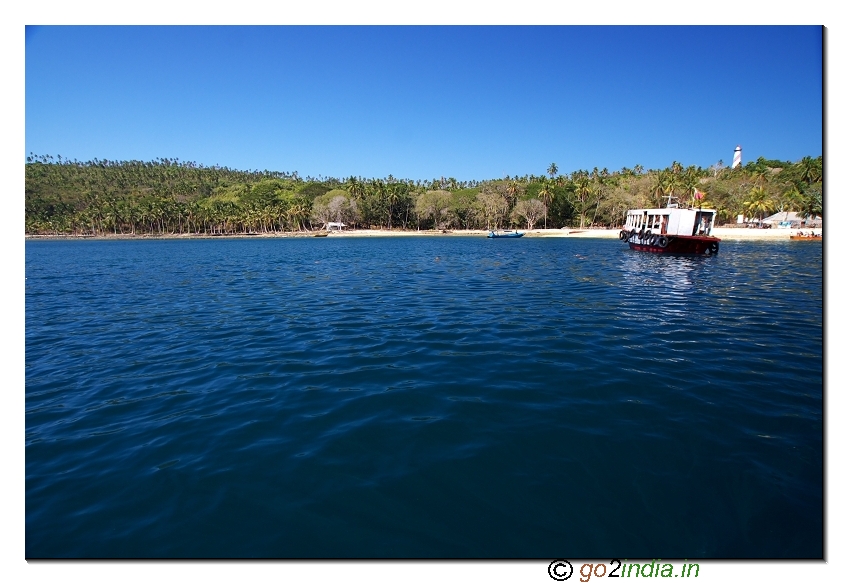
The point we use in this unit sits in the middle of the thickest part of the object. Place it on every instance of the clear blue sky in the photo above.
(471, 102)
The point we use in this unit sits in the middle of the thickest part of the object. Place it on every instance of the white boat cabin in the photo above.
(671, 221)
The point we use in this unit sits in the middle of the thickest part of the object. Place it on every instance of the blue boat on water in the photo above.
(504, 234)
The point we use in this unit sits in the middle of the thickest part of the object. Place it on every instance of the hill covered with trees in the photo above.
(166, 196)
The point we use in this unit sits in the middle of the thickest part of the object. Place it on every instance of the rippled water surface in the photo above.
(422, 397)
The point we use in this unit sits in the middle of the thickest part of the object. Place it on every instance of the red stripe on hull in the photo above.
(681, 245)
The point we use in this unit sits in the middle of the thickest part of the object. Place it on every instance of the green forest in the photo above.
(170, 197)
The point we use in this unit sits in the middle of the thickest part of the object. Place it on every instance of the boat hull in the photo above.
(679, 245)
(801, 238)
(505, 236)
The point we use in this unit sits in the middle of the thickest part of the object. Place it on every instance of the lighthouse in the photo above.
(736, 157)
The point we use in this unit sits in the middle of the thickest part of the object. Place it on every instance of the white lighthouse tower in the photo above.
(736, 157)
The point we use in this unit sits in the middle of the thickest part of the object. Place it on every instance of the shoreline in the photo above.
(723, 233)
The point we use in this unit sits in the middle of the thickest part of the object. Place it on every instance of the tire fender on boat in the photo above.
(662, 241)
(623, 235)
(632, 233)
(654, 239)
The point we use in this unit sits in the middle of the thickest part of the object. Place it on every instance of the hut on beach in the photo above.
(792, 220)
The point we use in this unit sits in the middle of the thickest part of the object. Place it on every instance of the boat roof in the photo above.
(667, 211)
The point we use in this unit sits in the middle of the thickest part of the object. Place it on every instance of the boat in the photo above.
(504, 234)
(321, 234)
(806, 237)
(674, 230)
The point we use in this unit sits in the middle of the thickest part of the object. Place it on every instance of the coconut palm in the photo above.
(811, 203)
(758, 202)
(112, 216)
(810, 170)
(297, 213)
(583, 192)
(689, 180)
(513, 189)
(660, 184)
(355, 187)
(392, 197)
(546, 195)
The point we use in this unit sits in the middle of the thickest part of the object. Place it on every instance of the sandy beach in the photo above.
(724, 233)
(727, 233)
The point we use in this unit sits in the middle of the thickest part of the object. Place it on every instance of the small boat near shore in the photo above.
(806, 237)
(674, 230)
(504, 234)
(321, 234)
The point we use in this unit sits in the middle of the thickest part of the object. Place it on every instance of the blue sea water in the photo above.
(422, 397)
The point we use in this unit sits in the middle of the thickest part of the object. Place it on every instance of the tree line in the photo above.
(167, 196)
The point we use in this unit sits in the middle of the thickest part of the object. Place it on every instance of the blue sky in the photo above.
(471, 102)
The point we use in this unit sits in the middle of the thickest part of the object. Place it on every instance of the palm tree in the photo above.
(546, 196)
(758, 202)
(379, 191)
(355, 188)
(689, 181)
(671, 183)
(192, 211)
(659, 186)
(584, 190)
(760, 176)
(552, 170)
(130, 213)
(296, 213)
(791, 199)
(812, 203)
(112, 215)
(392, 197)
(512, 190)
(810, 170)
